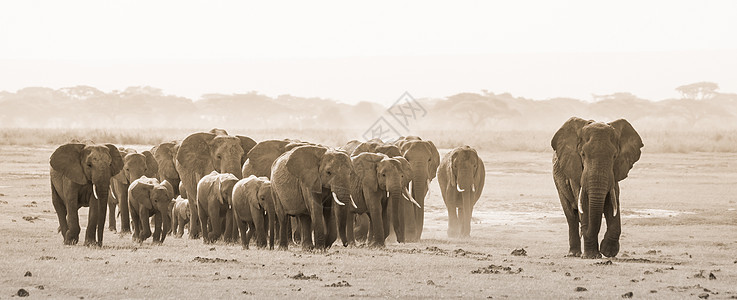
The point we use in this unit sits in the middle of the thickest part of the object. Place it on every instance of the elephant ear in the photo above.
(252, 186)
(67, 159)
(364, 166)
(218, 131)
(182, 190)
(629, 148)
(364, 147)
(304, 163)
(164, 155)
(247, 144)
(194, 152)
(406, 168)
(389, 150)
(565, 144)
(152, 167)
(434, 160)
(169, 189)
(116, 163)
(141, 191)
(263, 154)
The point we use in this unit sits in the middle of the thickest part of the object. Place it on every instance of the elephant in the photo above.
(201, 153)
(180, 216)
(306, 180)
(423, 156)
(253, 206)
(80, 177)
(589, 161)
(135, 165)
(174, 221)
(261, 156)
(165, 155)
(461, 176)
(214, 198)
(377, 181)
(148, 197)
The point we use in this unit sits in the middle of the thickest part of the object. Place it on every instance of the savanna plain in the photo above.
(679, 240)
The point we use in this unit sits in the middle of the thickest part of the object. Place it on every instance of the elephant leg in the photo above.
(101, 221)
(244, 237)
(610, 243)
(454, 229)
(216, 225)
(419, 215)
(203, 218)
(348, 226)
(195, 222)
(174, 224)
(284, 230)
(467, 208)
(305, 224)
(342, 215)
(136, 225)
(331, 227)
(572, 217)
(145, 226)
(111, 218)
(398, 220)
(260, 227)
(158, 234)
(89, 238)
(229, 227)
(295, 230)
(61, 211)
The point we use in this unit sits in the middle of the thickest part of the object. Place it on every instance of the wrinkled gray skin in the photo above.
(303, 180)
(214, 198)
(80, 176)
(180, 216)
(377, 181)
(204, 152)
(589, 161)
(461, 177)
(147, 197)
(253, 210)
(408, 220)
(135, 165)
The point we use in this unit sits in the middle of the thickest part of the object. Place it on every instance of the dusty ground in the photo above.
(679, 229)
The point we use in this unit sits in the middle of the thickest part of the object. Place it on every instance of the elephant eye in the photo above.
(89, 165)
(383, 174)
(219, 157)
(329, 173)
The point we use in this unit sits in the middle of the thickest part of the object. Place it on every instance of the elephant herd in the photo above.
(279, 192)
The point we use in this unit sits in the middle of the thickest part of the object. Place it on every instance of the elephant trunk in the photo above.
(596, 189)
(101, 189)
(232, 167)
(167, 224)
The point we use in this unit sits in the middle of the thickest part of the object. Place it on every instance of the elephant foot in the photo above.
(591, 255)
(283, 248)
(156, 243)
(90, 243)
(574, 253)
(609, 248)
(179, 236)
(71, 241)
(124, 232)
(113, 229)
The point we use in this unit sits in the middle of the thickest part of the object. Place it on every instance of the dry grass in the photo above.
(495, 141)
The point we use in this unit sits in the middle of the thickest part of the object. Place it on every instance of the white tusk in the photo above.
(353, 202)
(580, 194)
(94, 191)
(387, 194)
(410, 186)
(613, 197)
(460, 190)
(113, 194)
(335, 197)
(473, 188)
(406, 194)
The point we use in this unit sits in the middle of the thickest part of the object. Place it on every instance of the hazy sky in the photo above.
(371, 51)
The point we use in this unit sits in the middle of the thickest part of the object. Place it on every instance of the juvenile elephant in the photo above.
(149, 197)
(424, 159)
(203, 152)
(80, 177)
(165, 156)
(135, 165)
(180, 216)
(589, 161)
(253, 205)
(306, 180)
(214, 194)
(377, 181)
(461, 177)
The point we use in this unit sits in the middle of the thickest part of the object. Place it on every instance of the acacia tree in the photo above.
(698, 91)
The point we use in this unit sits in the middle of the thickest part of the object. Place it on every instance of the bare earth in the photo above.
(679, 241)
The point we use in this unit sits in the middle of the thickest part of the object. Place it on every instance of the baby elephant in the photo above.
(180, 216)
(252, 205)
(147, 197)
(461, 176)
(214, 193)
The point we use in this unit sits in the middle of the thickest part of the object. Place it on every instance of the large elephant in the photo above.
(461, 176)
(214, 199)
(148, 197)
(253, 207)
(262, 156)
(424, 159)
(589, 161)
(80, 177)
(377, 181)
(135, 165)
(201, 153)
(306, 180)
(165, 155)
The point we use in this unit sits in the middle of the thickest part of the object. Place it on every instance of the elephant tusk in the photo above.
(94, 191)
(353, 202)
(387, 194)
(410, 186)
(113, 194)
(473, 188)
(460, 190)
(613, 197)
(335, 197)
(409, 198)
(580, 194)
